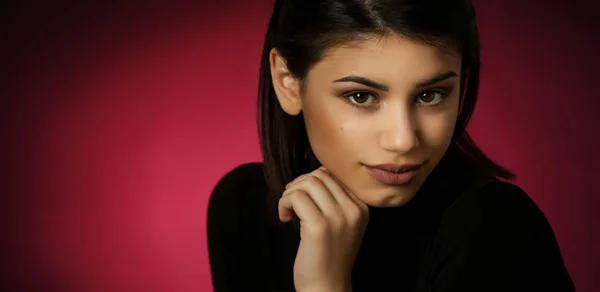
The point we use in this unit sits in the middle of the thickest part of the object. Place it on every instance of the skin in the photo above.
(405, 124)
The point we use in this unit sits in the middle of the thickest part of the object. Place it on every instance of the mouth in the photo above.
(393, 174)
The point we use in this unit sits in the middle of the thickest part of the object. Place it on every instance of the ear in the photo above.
(286, 85)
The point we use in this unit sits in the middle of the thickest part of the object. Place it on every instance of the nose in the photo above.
(400, 132)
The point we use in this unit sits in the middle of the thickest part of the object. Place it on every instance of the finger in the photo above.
(343, 200)
(337, 190)
(298, 202)
(319, 193)
(299, 178)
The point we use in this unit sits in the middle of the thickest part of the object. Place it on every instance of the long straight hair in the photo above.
(302, 31)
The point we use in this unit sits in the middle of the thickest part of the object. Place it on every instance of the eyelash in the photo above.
(444, 92)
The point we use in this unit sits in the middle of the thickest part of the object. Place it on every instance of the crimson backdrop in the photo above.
(119, 118)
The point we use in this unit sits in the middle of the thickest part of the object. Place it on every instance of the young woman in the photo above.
(369, 180)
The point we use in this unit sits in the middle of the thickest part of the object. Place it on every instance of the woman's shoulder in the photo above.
(493, 197)
(495, 233)
(237, 209)
(498, 211)
(242, 187)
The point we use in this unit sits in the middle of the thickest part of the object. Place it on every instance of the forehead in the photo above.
(386, 58)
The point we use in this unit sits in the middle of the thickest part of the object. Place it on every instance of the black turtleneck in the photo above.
(457, 234)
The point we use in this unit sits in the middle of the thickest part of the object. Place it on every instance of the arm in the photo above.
(496, 239)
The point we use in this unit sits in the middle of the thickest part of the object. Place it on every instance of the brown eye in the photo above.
(361, 98)
(430, 97)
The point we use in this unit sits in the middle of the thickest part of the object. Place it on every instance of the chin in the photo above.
(388, 198)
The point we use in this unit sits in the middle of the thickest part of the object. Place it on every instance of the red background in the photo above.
(119, 118)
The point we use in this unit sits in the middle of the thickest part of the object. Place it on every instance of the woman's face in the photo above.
(384, 100)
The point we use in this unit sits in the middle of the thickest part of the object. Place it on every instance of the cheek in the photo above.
(436, 130)
(320, 124)
(331, 131)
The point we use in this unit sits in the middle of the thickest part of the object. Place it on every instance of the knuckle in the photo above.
(296, 180)
(314, 185)
(311, 179)
(288, 198)
(319, 173)
(298, 195)
(287, 193)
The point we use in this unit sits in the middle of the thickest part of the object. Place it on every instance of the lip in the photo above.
(393, 174)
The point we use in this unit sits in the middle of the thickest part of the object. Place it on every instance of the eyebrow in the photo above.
(384, 87)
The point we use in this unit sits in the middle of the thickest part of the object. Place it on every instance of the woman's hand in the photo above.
(332, 224)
